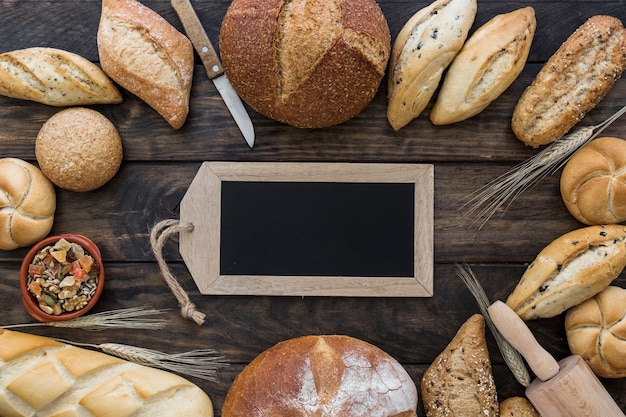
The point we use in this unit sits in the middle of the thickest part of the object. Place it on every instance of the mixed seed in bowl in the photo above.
(63, 277)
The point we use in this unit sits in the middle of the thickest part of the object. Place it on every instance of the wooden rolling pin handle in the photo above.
(513, 328)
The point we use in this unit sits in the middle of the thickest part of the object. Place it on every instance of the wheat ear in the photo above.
(498, 194)
(511, 356)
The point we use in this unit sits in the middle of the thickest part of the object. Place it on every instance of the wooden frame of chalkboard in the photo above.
(202, 206)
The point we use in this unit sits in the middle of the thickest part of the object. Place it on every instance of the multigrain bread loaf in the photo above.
(571, 269)
(335, 375)
(517, 407)
(489, 62)
(309, 64)
(572, 82)
(596, 330)
(593, 182)
(459, 382)
(27, 204)
(55, 77)
(147, 56)
(426, 45)
(45, 378)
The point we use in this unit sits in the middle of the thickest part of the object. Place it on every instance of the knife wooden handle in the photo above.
(521, 338)
(199, 39)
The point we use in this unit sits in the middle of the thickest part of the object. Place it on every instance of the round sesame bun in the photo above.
(79, 149)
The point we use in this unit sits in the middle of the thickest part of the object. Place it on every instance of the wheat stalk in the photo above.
(498, 194)
(511, 356)
(128, 318)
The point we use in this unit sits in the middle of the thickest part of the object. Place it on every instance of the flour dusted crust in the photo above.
(322, 375)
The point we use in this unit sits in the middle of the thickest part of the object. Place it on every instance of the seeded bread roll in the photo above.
(489, 62)
(147, 56)
(55, 77)
(27, 204)
(571, 269)
(309, 64)
(311, 376)
(573, 81)
(423, 49)
(45, 378)
(517, 407)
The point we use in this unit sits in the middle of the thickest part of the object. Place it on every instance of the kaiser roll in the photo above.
(322, 375)
(309, 64)
(79, 149)
(593, 182)
(596, 330)
(27, 204)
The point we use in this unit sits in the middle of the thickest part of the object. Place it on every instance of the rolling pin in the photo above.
(567, 388)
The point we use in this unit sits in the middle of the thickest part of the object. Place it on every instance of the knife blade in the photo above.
(211, 62)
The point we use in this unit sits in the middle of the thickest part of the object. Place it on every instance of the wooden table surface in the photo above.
(160, 163)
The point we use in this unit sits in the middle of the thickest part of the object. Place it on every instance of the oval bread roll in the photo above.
(596, 330)
(491, 59)
(27, 204)
(593, 182)
(571, 269)
(55, 77)
(517, 407)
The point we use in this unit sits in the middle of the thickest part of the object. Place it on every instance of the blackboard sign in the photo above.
(310, 229)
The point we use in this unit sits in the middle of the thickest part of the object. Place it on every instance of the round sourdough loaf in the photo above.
(593, 182)
(322, 375)
(596, 330)
(309, 64)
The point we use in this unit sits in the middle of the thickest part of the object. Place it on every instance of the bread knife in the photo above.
(215, 71)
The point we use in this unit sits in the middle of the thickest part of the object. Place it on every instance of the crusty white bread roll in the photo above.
(572, 82)
(45, 378)
(490, 60)
(426, 45)
(593, 182)
(460, 381)
(596, 330)
(310, 64)
(147, 56)
(27, 204)
(322, 375)
(571, 269)
(55, 77)
(517, 407)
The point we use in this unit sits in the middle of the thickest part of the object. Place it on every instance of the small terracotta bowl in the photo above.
(30, 302)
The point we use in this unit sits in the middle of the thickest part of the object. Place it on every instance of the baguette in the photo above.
(573, 81)
(571, 269)
(491, 59)
(45, 378)
(55, 77)
(423, 49)
(147, 56)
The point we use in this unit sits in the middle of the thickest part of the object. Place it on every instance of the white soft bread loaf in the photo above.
(147, 56)
(424, 48)
(490, 60)
(27, 204)
(309, 64)
(45, 378)
(459, 382)
(330, 375)
(571, 269)
(55, 77)
(572, 82)
(593, 182)
(596, 330)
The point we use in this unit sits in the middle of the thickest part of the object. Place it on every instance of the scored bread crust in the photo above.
(322, 375)
(147, 56)
(55, 77)
(490, 60)
(27, 204)
(46, 378)
(572, 82)
(571, 269)
(306, 64)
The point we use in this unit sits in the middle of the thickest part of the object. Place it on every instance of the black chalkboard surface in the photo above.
(336, 229)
